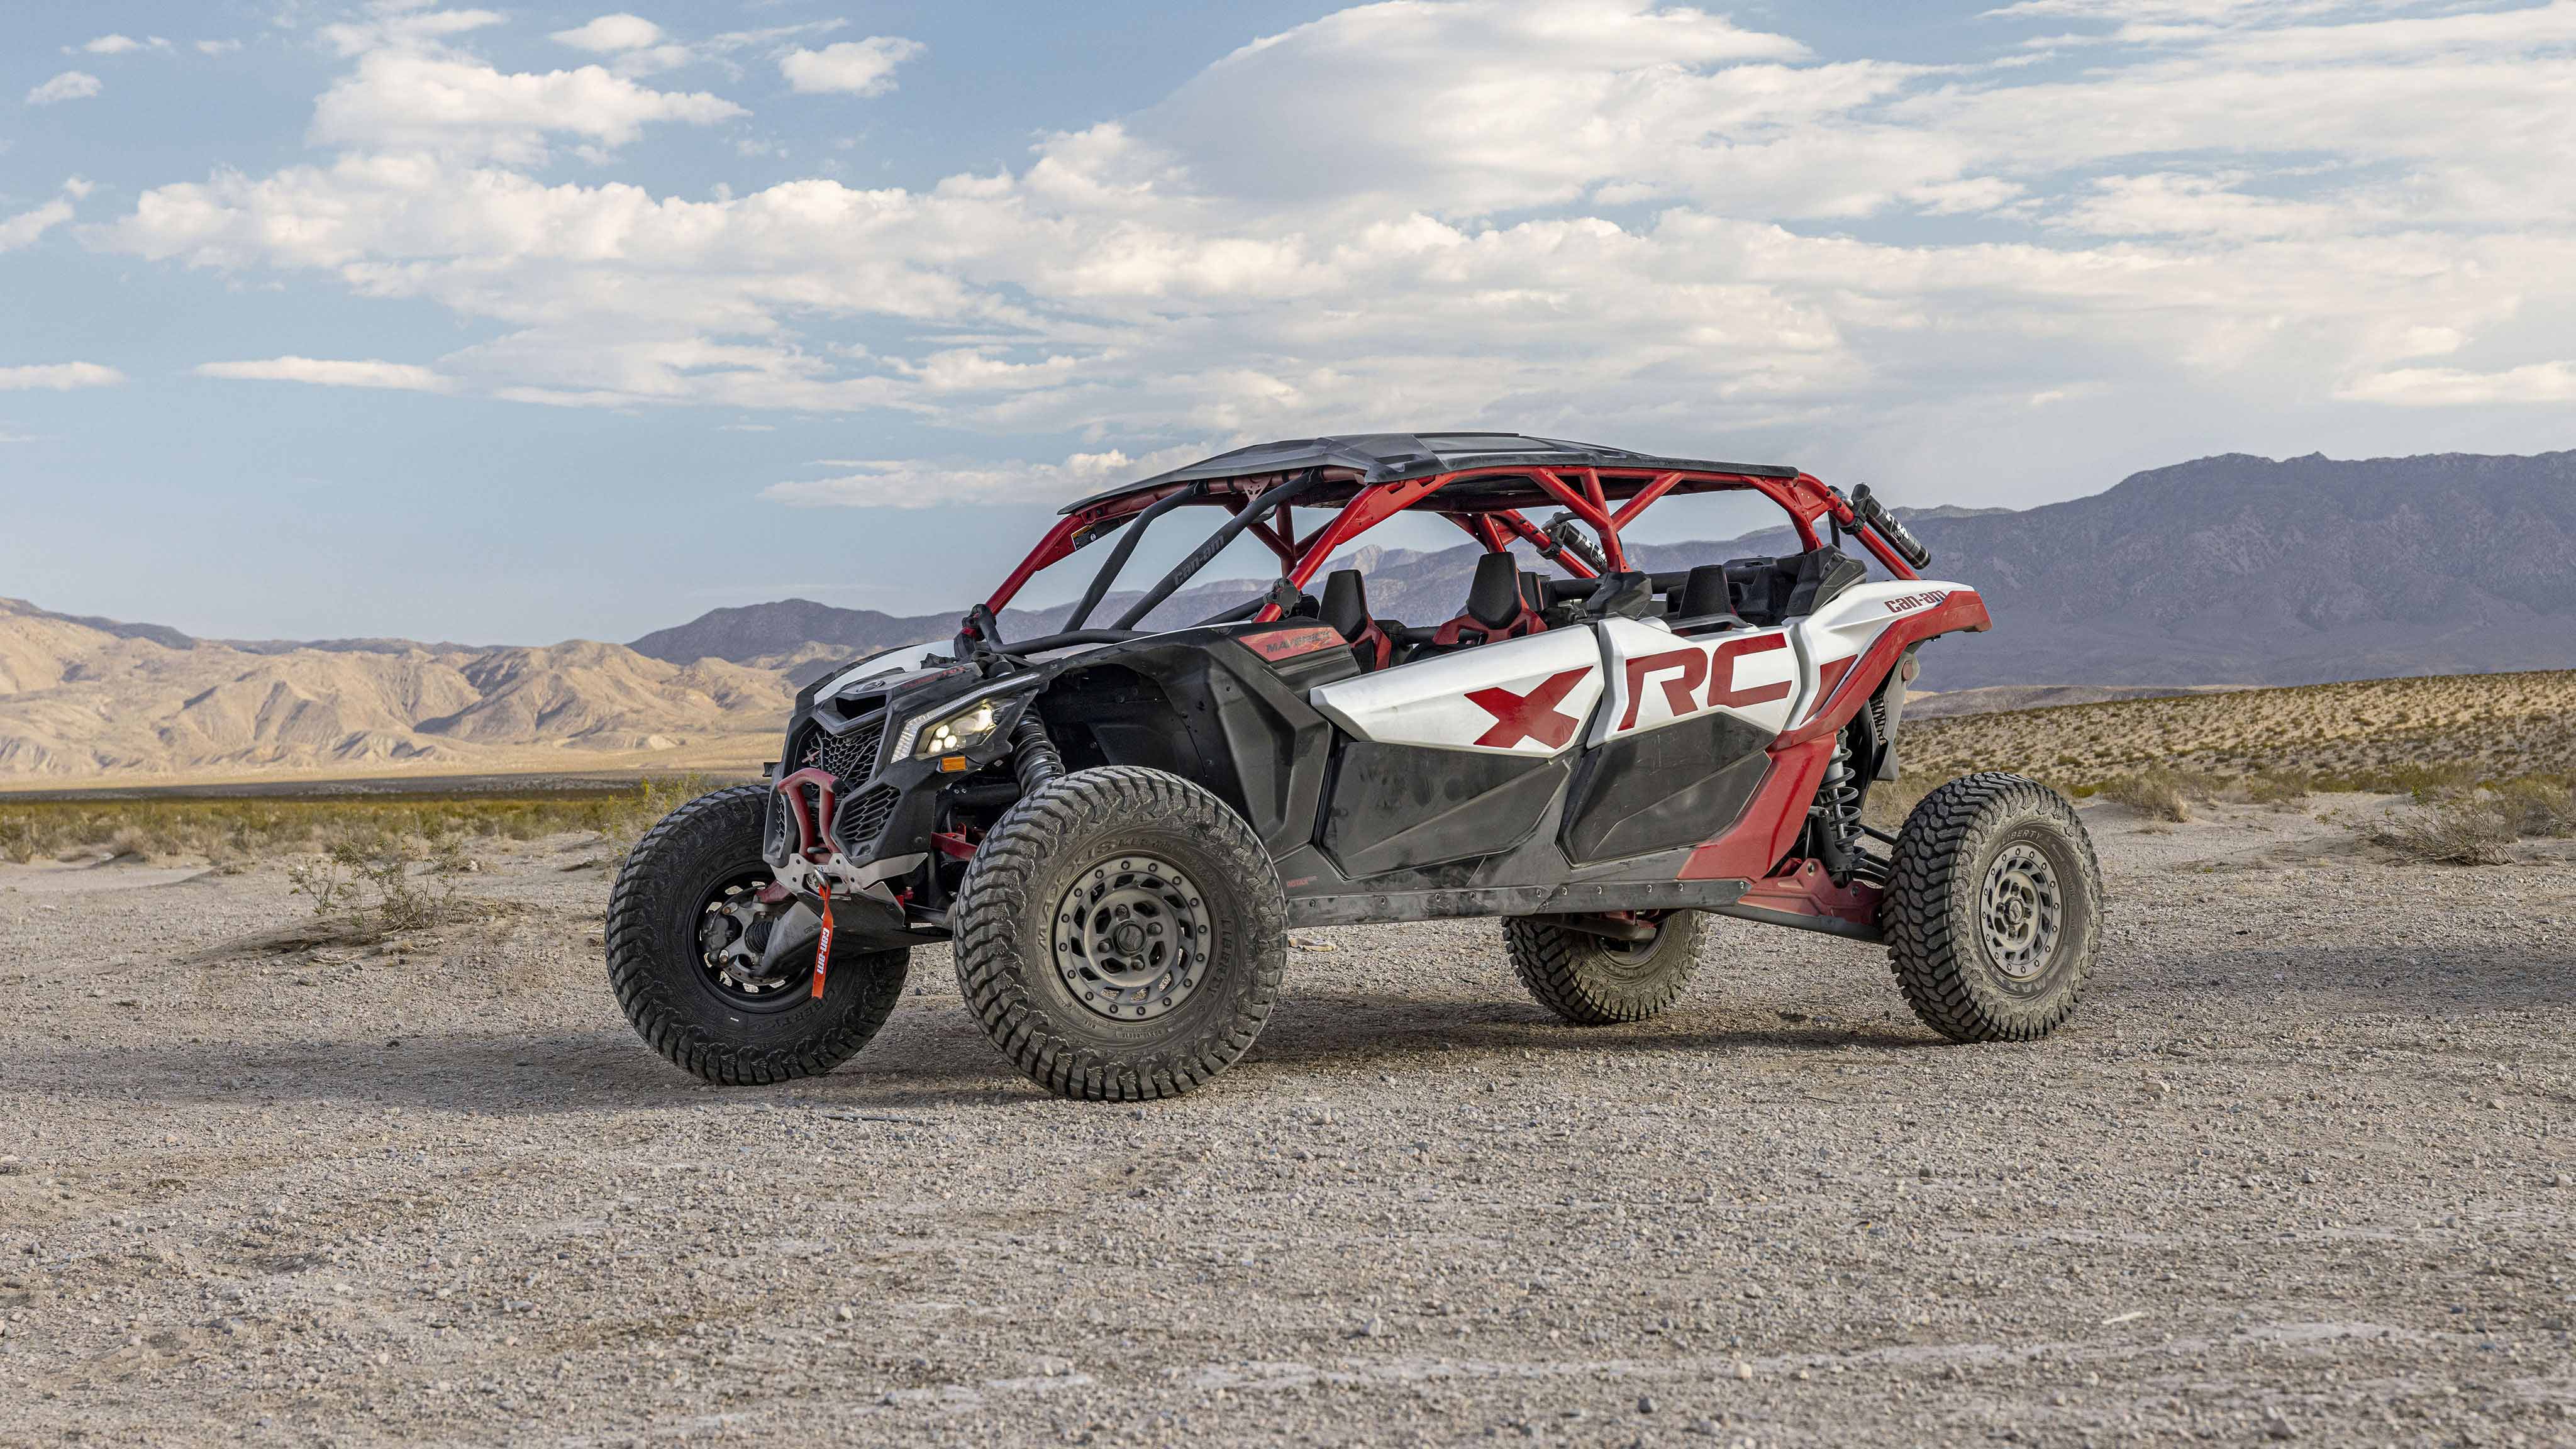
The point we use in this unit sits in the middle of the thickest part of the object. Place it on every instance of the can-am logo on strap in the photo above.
(1911, 602)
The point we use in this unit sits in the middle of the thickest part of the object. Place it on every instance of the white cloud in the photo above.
(405, 24)
(463, 109)
(71, 85)
(113, 45)
(851, 67)
(612, 33)
(58, 376)
(2538, 382)
(218, 47)
(23, 229)
(635, 46)
(1590, 217)
(327, 372)
(912, 484)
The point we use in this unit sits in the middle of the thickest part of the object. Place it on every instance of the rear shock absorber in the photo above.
(1837, 817)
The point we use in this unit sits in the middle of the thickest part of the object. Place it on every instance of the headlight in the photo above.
(968, 727)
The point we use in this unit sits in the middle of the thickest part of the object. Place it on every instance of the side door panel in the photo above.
(1678, 745)
(1455, 757)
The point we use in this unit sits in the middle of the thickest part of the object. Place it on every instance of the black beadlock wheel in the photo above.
(1121, 935)
(1593, 980)
(677, 963)
(1993, 909)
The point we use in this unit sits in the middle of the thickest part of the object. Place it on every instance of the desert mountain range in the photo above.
(82, 698)
(2228, 570)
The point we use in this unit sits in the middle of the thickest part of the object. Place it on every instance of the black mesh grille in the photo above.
(865, 815)
(851, 757)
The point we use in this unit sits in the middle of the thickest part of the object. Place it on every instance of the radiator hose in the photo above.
(1033, 755)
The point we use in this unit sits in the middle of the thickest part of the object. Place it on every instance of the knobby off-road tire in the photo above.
(662, 980)
(1595, 981)
(1993, 912)
(1051, 874)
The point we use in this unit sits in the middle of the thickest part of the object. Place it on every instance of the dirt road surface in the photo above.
(2300, 1169)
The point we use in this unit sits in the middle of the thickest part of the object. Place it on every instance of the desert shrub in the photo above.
(323, 880)
(2153, 792)
(2432, 783)
(2276, 787)
(2539, 805)
(374, 861)
(2468, 829)
(2203, 784)
(402, 903)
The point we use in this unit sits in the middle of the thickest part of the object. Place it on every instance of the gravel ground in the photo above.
(2299, 1169)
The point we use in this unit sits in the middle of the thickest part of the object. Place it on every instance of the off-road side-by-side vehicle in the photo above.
(1116, 827)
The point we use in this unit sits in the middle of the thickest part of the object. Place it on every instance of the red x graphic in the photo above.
(1532, 716)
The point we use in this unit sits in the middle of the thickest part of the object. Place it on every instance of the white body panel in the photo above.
(1511, 697)
(1657, 677)
(1770, 678)
(1531, 696)
(1845, 628)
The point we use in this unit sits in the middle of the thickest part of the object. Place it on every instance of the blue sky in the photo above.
(524, 322)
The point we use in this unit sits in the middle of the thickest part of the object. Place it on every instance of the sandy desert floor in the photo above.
(2301, 1169)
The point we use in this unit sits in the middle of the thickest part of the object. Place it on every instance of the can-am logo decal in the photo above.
(1691, 668)
(1911, 602)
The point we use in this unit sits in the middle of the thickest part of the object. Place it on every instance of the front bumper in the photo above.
(875, 839)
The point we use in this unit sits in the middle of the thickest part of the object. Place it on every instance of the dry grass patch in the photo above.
(2471, 829)
(2539, 806)
(226, 830)
(2156, 794)
(2397, 736)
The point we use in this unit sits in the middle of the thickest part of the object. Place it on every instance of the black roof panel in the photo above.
(1386, 457)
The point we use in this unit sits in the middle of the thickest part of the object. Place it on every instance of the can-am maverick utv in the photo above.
(1115, 827)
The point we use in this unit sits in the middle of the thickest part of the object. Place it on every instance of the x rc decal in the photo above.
(1531, 716)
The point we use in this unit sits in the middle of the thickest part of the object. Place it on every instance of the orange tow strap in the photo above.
(823, 948)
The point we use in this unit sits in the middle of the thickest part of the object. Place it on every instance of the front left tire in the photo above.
(1121, 935)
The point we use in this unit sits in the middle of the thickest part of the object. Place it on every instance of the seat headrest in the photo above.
(1626, 596)
(1345, 603)
(1704, 593)
(1494, 599)
(1816, 577)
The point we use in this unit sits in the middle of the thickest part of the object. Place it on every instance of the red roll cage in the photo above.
(1487, 508)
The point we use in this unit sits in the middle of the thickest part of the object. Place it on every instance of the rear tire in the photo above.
(1121, 935)
(1593, 980)
(655, 964)
(1993, 909)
